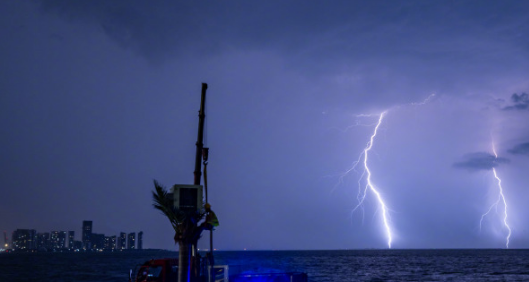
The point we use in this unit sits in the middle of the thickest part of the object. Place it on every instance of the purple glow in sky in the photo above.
(101, 97)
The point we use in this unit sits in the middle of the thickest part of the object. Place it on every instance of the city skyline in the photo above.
(31, 240)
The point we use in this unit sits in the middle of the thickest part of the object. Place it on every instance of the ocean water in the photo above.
(350, 265)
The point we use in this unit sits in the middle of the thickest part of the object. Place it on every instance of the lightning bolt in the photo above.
(366, 173)
(369, 184)
(425, 101)
(501, 198)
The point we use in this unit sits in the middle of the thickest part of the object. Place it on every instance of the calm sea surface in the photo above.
(354, 265)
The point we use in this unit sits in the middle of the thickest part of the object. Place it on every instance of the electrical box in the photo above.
(188, 198)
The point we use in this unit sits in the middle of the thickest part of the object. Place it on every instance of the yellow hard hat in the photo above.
(207, 206)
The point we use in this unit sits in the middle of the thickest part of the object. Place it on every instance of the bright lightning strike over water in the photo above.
(366, 173)
(501, 198)
(369, 184)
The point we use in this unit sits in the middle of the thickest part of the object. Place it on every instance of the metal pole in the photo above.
(198, 164)
(200, 145)
(211, 258)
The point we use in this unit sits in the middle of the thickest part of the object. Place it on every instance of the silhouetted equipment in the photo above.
(190, 266)
(188, 198)
(200, 137)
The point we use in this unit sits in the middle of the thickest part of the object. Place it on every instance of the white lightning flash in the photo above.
(369, 184)
(366, 173)
(427, 100)
(501, 197)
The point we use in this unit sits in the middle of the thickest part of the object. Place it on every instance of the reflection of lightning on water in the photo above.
(501, 197)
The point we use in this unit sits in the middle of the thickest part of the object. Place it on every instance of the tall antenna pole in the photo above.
(200, 145)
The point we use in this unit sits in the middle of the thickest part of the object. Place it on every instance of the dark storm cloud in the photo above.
(520, 102)
(480, 161)
(150, 29)
(520, 149)
(360, 51)
(303, 29)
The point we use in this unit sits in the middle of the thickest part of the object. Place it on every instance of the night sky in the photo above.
(98, 98)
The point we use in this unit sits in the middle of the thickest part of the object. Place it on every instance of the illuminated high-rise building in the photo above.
(140, 240)
(106, 246)
(122, 241)
(87, 234)
(71, 239)
(62, 239)
(131, 242)
(43, 241)
(25, 239)
(97, 241)
(58, 239)
(110, 242)
(113, 242)
(54, 240)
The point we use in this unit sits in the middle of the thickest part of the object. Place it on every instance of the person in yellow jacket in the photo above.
(211, 219)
